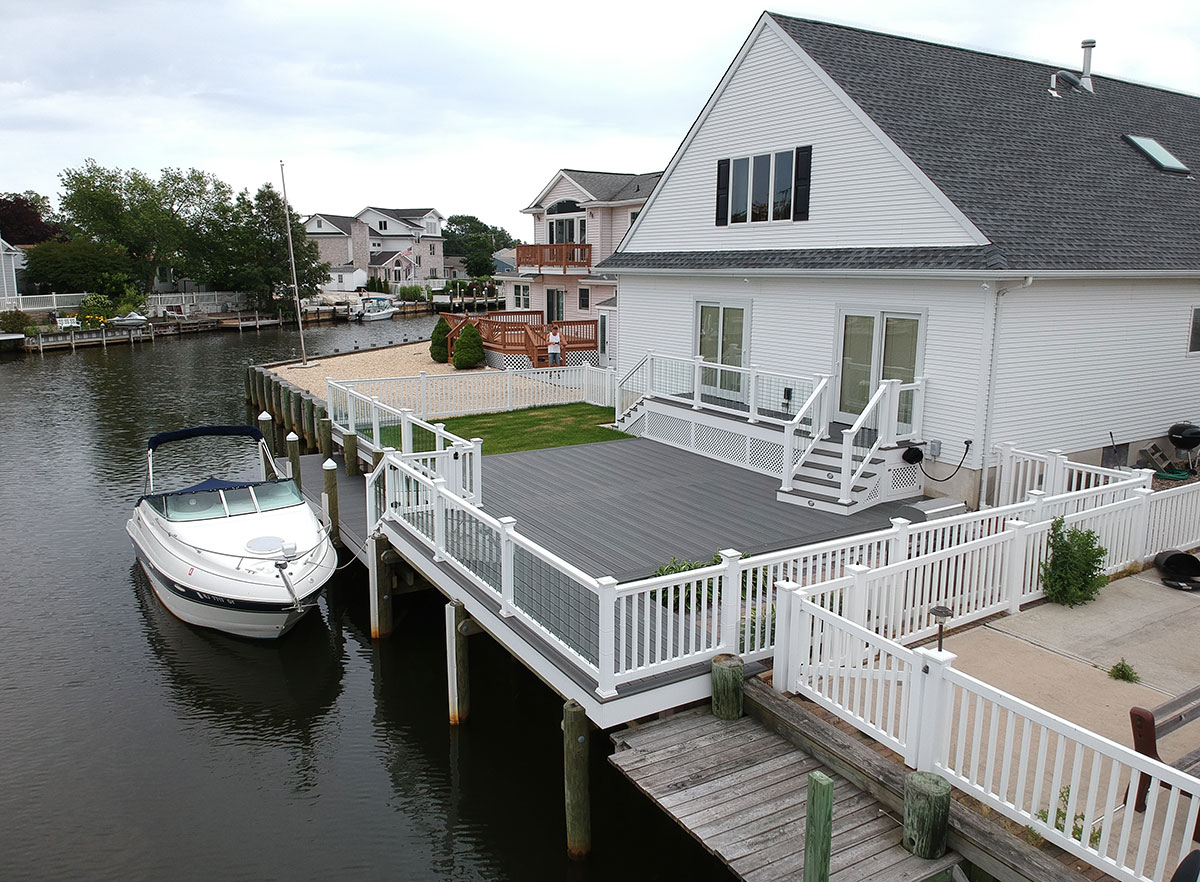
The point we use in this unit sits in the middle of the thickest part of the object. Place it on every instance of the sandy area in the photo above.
(390, 361)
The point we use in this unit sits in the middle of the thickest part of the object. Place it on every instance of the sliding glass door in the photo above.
(721, 339)
(876, 346)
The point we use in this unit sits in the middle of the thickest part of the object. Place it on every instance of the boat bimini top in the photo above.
(162, 438)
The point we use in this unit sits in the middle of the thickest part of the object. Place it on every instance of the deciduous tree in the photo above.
(26, 218)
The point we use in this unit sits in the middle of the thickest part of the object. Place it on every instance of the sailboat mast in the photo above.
(287, 217)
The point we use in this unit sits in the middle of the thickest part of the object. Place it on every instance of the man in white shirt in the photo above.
(554, 346)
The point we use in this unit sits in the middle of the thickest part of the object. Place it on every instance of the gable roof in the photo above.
(414, 217)
(1051, 182)
(340, 221)
(601, 186)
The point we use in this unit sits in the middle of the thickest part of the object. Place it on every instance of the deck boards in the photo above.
(624, 508)
(741, 791)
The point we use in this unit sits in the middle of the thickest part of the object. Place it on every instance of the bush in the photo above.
(438, 350)
(411, 292)
(468, 351)
(94, 309)
(1074, 572)
(14, 321)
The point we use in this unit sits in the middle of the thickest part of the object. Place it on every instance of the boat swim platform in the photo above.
(741, 791)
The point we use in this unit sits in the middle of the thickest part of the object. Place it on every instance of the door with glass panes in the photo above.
(876, 346)
(556, 305)
(721, 339)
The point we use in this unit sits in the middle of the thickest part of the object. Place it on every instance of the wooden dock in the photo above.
(741, 791)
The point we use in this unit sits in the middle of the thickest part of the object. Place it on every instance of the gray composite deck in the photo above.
(624, 508)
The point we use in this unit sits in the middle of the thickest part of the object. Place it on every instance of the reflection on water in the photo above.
(138, 747)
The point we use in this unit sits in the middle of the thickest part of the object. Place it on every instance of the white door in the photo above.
(721, 339)
(876, 346)
(602, 342)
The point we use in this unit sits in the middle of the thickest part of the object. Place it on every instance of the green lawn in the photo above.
(537, 428)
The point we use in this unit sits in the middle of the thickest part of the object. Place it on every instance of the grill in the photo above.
(1185, 436)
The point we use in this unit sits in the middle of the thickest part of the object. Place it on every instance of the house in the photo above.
(12, 261)
(504, 260)
(1016, 246)
(456, 268)
(398, 245)
(578, 218)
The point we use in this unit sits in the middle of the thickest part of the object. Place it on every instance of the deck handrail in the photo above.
(816, 410)
(880, 412)
(565, 255)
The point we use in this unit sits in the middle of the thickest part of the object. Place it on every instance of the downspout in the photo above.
(989, 402)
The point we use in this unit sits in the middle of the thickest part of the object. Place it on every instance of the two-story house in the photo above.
(1016, 246)
(578, 219)
(397, 245)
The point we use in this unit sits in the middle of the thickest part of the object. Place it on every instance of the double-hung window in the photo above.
(765, 187)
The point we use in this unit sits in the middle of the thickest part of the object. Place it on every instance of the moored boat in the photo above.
(371, 309)
(245, 557)
(130, 320)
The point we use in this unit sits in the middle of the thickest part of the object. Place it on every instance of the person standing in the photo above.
(554, 346)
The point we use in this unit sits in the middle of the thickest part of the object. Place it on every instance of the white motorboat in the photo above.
(130, 320)
(372, 309)
(244, 557)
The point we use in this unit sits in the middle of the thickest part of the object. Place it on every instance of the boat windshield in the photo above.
(196, 505)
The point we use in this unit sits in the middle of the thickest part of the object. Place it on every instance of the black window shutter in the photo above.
(722, 192)
(803, 183)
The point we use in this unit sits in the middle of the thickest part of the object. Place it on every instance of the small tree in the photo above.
(1074, 571)
(439, 351)
(14, 321)
(468, 351)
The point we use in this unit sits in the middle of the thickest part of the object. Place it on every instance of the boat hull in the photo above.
(206, 610)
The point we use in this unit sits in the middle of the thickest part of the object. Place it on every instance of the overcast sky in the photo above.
(468, 107)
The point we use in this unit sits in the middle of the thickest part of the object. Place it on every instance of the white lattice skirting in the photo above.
(511, 361)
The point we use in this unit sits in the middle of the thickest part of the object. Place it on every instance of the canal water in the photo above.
(133, 746)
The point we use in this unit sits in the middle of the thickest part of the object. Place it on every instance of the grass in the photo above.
(1123, 670)
(537, 428)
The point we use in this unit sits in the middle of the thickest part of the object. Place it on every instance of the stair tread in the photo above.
(825, 482)
(820, 497)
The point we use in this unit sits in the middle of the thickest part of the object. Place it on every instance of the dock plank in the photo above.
(741, 791)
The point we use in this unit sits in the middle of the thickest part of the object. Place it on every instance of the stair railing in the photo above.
(814, 411)
(874, 428)
(633, 387)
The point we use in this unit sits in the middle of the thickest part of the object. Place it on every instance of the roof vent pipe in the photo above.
(1086, 77)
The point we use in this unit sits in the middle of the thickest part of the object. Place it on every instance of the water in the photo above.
(134, 747)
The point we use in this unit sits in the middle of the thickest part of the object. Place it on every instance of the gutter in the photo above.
(989, 401)
(948, 274)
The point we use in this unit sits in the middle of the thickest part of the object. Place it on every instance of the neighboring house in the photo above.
(578, 219)
(505, 260)
(397, 245)
(12, 260)
(456, 268)
(1023, 241)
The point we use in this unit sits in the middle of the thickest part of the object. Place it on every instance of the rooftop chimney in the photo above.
(1086, 76)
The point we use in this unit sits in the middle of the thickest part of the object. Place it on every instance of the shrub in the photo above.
(439, 351)
(411, 292)
(1123, 670)
(468, 351)
(1074, 572)
(14, 321)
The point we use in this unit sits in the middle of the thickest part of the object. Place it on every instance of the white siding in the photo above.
(1081, 359)
(863, 195)
(794, 328)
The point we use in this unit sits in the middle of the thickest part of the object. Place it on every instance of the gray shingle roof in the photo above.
(1050, 181)
(968, 258)
(340, 221)
(410, 216)
(379, 258)
(614, 186)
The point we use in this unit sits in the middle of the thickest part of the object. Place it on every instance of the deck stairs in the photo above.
(760, 447)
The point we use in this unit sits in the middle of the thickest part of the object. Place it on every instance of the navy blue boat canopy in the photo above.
(201, 431)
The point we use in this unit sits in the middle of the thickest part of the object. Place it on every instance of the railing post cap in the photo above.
(901, 522)
(787, 585)
(857, 568)
(730, 554)
(507, 521)
(1015, 522)
(938, 656)
(607, 582)
(1142, 491)
(264, 416)
(329, 465)
(292, 436)
(1036, 493)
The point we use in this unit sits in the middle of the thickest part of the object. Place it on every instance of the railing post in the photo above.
(507, 525)
(855, 608)
(731, 600)
(1056, 473)
(375, 438)
(439, 519)
(847, 466)
(477, 470)
(1147, 478)
(1038, 498)
(1140, 534)
(918, 414)
(892, 413)
(423, 393)
(440, 437)
(788, 638)
(898, 549)
(351, 413)
(929, 721)
(649, 393)
(1002, 484)
(824, 405)
(789, 455)
(509, 405)
(607, 649)
(753, 418)
(406, 430)
(1015, 556)
(697, 370)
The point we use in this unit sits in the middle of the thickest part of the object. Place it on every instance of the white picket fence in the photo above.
(1018, 472)
(439, 396)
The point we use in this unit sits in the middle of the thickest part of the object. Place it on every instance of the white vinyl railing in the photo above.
(438, 396)
(1018, 472)
(808, 428)
(874, 428)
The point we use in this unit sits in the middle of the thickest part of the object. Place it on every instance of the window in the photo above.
(431, 226)
(418, 260)
(582, 230)
(318, 223)
(1194, 344)
(562, 230)
(339, 278)
(382, 225)
(431, 248)
(633, 215)
(585, 297)
(1160, 155)
(763, 188)
(520, 297)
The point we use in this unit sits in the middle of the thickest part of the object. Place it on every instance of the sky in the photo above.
(468, 107)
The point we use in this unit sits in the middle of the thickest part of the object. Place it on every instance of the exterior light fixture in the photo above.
(940, 614)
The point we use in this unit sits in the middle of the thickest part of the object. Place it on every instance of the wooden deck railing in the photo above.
(502, 333)
(566, 255)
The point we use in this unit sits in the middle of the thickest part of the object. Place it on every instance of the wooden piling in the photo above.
(307, 426)
(381, 583)
(350, 451)
(325, 436)
(277, 399)
(247, 384)
(268, 429)
(285, 406)
(457, 665)
(293, 454)
(329, 500)
(818, 827)
(926, 814)
(728, 683)
(575, 780)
